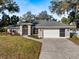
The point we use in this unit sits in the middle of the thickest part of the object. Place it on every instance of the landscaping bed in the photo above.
(17, 47)
(75, 40)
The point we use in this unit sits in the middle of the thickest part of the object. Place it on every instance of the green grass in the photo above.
(75, 40)
(16, 47)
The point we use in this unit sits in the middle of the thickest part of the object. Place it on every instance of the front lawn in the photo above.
(75, 40)
(16, 47)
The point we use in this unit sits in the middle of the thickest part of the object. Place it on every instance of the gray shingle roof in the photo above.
(52, 24)
(24, 23)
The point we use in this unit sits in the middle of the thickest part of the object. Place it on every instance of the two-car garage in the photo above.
(51, 33)
(52, 29)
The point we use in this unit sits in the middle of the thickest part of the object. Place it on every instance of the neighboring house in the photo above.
(45, 29)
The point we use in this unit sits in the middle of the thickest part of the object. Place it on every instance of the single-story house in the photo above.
(52, 29)
(46, 29)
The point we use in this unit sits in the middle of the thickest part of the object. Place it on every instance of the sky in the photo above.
(35, 6)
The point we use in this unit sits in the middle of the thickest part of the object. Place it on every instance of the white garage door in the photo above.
(54, 33)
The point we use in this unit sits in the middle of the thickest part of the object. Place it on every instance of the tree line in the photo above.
(29, 17)
(6, 20)
(60, 7)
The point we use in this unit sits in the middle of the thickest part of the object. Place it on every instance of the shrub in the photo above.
(3, 30)
(75, 37)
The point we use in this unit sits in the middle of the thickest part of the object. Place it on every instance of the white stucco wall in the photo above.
(20, 30)
(67, 33)
(29, 29)
(40, 33)
(8, 30)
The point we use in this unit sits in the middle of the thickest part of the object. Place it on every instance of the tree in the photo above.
(65, 20)
(5, 20)
(72, 16)
(62, 6)
(28, 17)
(11, 6)
(43, 16)
(1, 1)
(14, 20)
(4, 1)
(77, 16)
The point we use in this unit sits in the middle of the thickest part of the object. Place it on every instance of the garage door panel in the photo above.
(51, 33)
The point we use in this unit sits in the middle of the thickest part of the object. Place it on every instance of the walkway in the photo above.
(39, 40)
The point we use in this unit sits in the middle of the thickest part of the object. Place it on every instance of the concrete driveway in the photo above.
(59, 49)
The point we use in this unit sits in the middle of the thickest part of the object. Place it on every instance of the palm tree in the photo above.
(12, 7)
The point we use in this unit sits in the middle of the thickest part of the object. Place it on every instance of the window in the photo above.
(62, 32)
(34, 30)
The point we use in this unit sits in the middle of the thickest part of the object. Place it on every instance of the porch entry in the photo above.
(25, 29)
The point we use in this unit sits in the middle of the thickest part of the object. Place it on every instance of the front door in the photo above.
(62, 32)
(25, 29)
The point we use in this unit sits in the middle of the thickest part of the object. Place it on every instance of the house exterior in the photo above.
(21, 29)
(52, 29)
(11, 29)
(45, 29)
